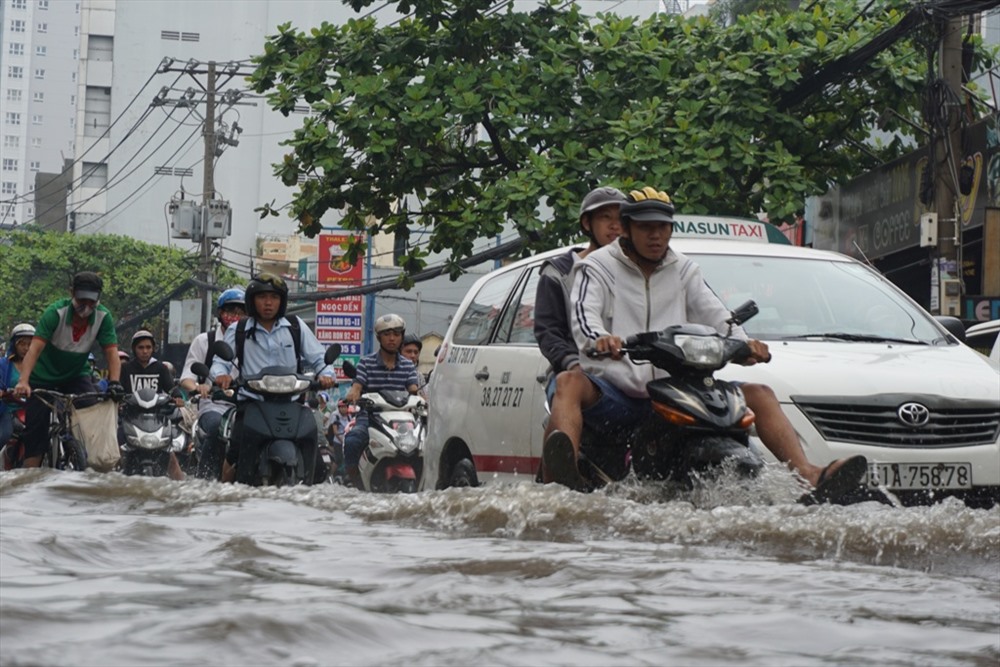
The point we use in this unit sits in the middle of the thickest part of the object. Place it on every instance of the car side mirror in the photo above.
(953, 325)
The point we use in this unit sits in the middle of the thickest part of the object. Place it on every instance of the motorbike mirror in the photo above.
(222, 350)
(744, 312)
(200, 370)
(332, 352)
(349, 369)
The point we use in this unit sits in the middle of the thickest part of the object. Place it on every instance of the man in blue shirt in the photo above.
(385, 369)
(269, 341)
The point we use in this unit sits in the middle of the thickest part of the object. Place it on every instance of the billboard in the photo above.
(339, 320)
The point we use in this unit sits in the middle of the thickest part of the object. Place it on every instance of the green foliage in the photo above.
(37, 268)
(491, 118)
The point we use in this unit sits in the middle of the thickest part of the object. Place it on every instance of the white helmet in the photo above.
(390, 321)
(20, 330)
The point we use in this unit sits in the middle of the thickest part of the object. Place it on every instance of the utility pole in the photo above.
(208, 193)
(211, 220)
(946, 268)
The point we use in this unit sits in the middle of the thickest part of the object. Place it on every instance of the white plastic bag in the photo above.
(97, 428)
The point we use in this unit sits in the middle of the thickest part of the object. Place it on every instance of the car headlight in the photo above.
(279, 384)
(701, 351)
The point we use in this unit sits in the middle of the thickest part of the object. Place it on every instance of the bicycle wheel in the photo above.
(74, 454)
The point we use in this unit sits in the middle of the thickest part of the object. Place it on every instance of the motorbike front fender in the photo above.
(283, 452)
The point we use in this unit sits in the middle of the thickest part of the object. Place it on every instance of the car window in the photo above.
(518, 324)
(799, 297)
(479, 319)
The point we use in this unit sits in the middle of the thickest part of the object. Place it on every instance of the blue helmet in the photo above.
(234, 296)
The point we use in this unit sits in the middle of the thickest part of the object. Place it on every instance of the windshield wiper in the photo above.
(865, 338)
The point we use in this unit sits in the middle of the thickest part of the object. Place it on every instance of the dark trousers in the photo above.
(37, 415)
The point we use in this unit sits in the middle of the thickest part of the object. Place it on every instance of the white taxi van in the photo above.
(859, 368)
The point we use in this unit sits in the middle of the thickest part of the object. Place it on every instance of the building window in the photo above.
(16, 25)
(38, 97)
(11, 141)
(39, 73)
(72, 77)
(172, 35)
(36, 165)
(36, 142)
(9, 164)
(43, 27)
(15, 72)
(41, 50)
(13, 95)
(12, 118)
(78, 8)
(190, 36)
(19, 4)
(72, 100)
(16, 49)
(8, 188)
(76, 54)
(95, 175)
(76, 31)
(43, 4)
(36, 119)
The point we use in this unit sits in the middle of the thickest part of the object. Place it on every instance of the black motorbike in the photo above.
(275, 433)
(698, 424)
(151, 425)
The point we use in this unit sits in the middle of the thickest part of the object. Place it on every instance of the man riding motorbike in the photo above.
(639, 284)
(230, 308)
(266, 338)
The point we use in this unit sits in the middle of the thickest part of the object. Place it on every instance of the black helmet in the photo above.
(266, 282)
(413, 339)
(649, 205)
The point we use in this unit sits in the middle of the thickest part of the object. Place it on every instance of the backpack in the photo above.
(209, 355)
(294, 323)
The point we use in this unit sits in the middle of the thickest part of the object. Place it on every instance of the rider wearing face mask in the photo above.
(230, 307)
(57, 357)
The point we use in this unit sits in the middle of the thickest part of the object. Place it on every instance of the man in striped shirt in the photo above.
(385, 369)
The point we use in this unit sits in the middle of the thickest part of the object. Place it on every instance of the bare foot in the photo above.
(174, 471)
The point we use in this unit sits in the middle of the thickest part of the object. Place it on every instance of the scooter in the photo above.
(151, 425)
(397, 427)
(698, 424)
(277, 434)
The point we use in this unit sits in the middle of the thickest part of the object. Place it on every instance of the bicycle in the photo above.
(65, 451)
(12, 451)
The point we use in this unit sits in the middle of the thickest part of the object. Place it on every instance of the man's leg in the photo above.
(778, 434)
(36, 431)
(355, 442)
(210, 454)
(574, 393)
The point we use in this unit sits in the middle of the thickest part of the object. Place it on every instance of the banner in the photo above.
(339, 320)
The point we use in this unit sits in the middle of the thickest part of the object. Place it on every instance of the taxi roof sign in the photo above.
(726, 228)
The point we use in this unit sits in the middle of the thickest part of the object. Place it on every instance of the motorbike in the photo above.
(397, 427)
(277, 434)
(151, 425)
(698, 424)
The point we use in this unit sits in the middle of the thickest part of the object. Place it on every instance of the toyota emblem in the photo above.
(913, 414)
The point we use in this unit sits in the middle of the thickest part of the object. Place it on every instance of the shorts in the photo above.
(615, 411)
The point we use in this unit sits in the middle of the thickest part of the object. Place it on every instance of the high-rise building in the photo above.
(39, 48)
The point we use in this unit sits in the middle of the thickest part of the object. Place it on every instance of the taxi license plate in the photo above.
(920, 476)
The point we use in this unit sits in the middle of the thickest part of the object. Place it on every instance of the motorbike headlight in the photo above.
(146, 440)
(701, 351)
(279, 384)
(407, 441)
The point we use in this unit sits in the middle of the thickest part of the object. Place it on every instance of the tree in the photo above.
(477, 116)
(37, 268)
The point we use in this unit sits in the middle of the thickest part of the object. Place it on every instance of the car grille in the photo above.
(874, 421)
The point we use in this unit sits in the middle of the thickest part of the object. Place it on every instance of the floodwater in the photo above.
(109, 570)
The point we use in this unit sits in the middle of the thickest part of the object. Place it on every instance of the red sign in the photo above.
(333, 269)
(352, 335)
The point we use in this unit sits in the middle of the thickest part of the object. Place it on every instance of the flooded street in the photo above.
(108, 570)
